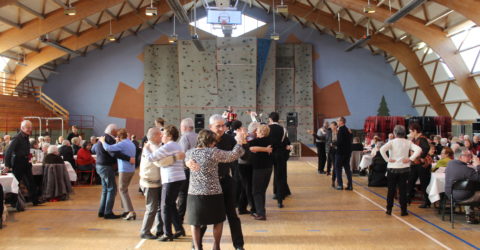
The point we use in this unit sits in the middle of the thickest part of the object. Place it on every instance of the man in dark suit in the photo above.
(17, 159)
(343, 153)
(458, 170)
(280, 142)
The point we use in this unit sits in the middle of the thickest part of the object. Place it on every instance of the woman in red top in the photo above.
(85, 161)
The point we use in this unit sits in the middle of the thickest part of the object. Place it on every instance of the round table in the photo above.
(37, 169)
(9, 183)
(436, 186)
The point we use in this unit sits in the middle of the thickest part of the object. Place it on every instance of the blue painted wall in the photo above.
(87, 85)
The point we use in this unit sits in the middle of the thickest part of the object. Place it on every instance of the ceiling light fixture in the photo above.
(195, 38)
(70, 11)
(21, 60)
(274, 36)
(282, 8)
(173, 37)
(404, 11)
(151, 10)
(111, 37)
(369, 9)
(339, 35)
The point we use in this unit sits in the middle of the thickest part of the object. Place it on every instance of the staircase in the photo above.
(17, 102)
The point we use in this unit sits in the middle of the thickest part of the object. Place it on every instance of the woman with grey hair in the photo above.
(398, 167)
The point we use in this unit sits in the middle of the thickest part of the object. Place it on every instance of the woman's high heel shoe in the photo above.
(165, 238)
(130, 216)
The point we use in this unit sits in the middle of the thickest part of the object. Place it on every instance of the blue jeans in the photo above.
(109, 188)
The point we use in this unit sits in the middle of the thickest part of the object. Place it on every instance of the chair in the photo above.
(92, 175)
(465, 185)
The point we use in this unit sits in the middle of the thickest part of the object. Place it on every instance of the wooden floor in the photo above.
(314, 217)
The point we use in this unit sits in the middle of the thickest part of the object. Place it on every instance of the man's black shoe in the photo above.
(100, 215)
(111, 216)
(148, 236)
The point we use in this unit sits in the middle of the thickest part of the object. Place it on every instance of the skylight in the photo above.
(3, 63)
(468, 44)
(248, 24)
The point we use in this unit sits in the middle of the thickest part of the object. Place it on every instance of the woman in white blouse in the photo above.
(398, 166)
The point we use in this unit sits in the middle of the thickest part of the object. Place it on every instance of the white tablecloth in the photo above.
(366, 161)
(37, 169)
(436, 186)
(9, 183)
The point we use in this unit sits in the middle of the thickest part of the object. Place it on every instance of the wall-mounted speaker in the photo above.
(292, 119)
(199, 122)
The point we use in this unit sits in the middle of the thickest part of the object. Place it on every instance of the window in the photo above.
(468, 44)
(248, 24)
(3, 75)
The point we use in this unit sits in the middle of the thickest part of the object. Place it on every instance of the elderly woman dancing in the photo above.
(398, 167)
(205, 203)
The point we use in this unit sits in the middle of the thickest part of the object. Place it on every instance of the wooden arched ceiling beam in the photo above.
(400, 50)
(469, 8)
(86, 38)
(434, 37)
(55, 20)
(7, 2)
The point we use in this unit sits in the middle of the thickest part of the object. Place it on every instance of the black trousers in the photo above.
(158, 218)
(330, 160)
(280, 186)
(322, 156)
(397, 180)
(261, 179)
(24, 173)
(416, 172)
(246, 196)
(228, 188)
(237, 183)
(182, 197)
(170, 213)
(342, 161)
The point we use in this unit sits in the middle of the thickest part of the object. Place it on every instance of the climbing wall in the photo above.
(266, 87)
(161, 85)
(237, 67)
(285, 76)
(304, 91)
(198, 79)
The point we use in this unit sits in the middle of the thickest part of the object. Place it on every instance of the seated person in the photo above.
(37, 154)
(66, 151)
(459, 170)
(85, 160)
(445, 156)
(76, 145)
(56, 182)
(378, 169)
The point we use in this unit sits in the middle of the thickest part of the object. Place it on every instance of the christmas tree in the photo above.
(383, 109)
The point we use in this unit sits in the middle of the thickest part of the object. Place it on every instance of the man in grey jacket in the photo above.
(459, 170)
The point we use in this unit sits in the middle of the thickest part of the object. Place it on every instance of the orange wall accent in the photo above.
(128, 104)
(293, 39)
(330, 101)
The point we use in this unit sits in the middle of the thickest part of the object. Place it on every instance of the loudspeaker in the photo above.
(199, 122)
(476, 127)
(292, 133)
(292, 119)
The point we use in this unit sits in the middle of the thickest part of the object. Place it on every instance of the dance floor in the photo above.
(315, 217)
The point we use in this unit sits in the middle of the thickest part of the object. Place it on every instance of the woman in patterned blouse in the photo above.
(205, 205)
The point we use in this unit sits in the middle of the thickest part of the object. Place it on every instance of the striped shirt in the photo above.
(170, 173)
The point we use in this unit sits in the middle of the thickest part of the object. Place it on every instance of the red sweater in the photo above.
(84, 157)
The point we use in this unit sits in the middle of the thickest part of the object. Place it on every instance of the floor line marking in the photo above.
(398, 218)
(404, 221)
(140, 243)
